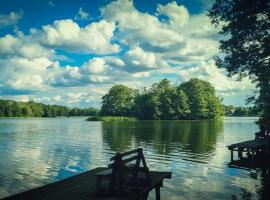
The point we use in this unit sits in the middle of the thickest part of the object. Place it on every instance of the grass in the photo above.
(111, 119)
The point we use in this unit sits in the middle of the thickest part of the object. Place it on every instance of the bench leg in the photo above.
(157, 188)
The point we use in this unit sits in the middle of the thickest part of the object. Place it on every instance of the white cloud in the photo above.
(178, 15)
(67, 35)
(23, 74)
(172, 43)
(142, 29)
(82, 15)
(137, 59)
(22, 46)
(141, 74)
(10, 19)
(217, 77)
(95, 66)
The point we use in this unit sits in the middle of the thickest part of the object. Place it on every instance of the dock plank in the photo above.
(83, 186)
(251, 144)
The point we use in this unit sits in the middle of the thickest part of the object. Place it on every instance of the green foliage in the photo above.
(245, 48)
(194, 99)
(9, 108)
(202, 100)
(110, 119)
(118, 102)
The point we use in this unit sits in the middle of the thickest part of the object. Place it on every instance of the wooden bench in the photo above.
(126, 171)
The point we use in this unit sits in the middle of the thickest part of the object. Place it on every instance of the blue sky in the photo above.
(71, 52)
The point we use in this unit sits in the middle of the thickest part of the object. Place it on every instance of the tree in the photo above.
(202, 100)
(145, 106)
(180, 105)
(162, 95)
(26, 111)
(245, 48)
(119, 101)
(9, 108)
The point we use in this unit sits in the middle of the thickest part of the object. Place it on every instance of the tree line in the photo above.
(240, 111)
(194, 99)
(10, 108)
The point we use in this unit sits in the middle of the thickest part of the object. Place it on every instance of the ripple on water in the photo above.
(38, 151)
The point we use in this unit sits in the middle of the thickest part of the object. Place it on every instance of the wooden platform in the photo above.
(252, 154)
(250, 144)
(83, 187)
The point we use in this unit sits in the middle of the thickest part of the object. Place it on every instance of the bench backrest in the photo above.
(127, 157)
(121, 160)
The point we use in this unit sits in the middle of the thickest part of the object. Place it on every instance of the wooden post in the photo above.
(157, 188)
(231, 155)
(240, 153)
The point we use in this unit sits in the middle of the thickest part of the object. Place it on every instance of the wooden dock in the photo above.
(250, 153)
(83, 187)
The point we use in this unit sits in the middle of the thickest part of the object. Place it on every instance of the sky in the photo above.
(71, 52)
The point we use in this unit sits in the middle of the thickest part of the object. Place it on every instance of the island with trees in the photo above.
(191, 100)
(194, 99)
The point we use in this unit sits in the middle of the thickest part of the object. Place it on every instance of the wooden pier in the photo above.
(250, 153)
(83, 187)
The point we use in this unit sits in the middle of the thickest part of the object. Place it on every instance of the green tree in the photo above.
(9, 108)
(17, 109)
(37, 109)
(245, 48)
(241, 111)
(180, 105)
(163, 92)
(144, 106)
(119, 101)
(26, 111)
(202, 100)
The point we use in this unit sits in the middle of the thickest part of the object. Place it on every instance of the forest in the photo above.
(194, 99)
(9, 108)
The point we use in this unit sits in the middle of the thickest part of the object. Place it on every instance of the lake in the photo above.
(37, 151)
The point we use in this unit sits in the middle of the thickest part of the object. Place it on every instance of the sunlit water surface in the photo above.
(37, 151)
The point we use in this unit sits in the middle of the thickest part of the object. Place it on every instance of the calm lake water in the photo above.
(37, 151)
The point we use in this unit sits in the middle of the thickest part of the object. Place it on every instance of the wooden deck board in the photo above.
(82, 186)
(250, 144)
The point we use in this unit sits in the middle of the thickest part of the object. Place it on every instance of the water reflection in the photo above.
(197, 137)
(34, 152)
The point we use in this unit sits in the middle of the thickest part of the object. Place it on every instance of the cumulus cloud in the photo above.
(181, 39)
(95, 66)
(23, 75)
(22, 46)
(178, 15)
(126, 46)
(67, 35)
(10, 19)
(142, 29)
(217, 77)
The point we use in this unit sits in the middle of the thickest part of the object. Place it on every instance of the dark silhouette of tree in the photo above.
(245, 47)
